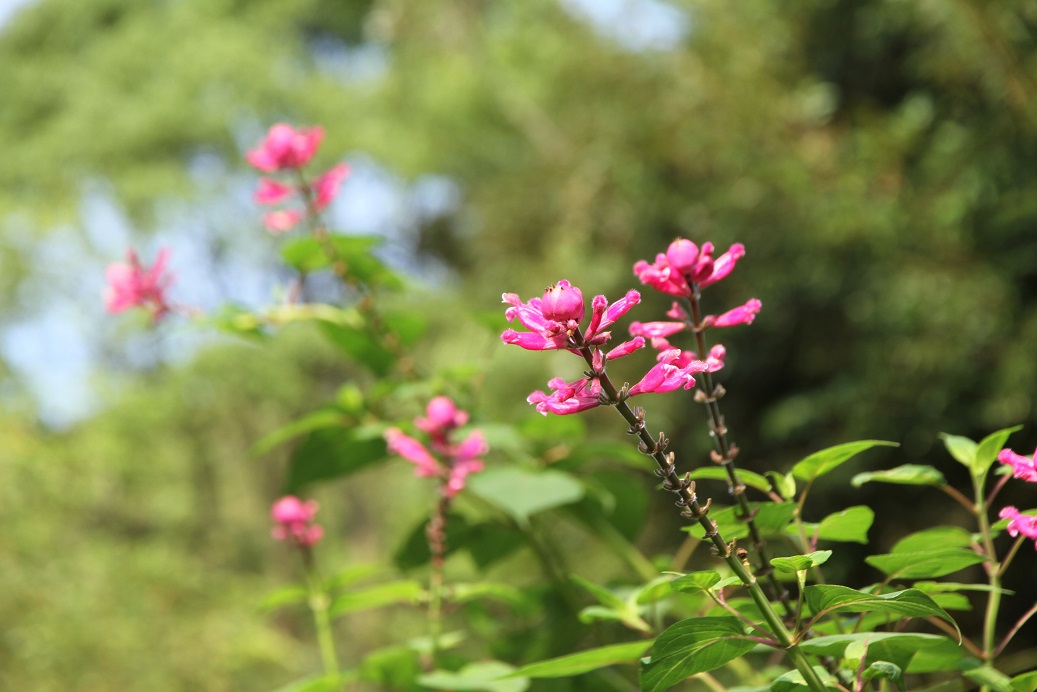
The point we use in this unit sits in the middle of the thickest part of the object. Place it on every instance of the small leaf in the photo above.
(1027, 682)
(961, 448)
(784, 484)
(603, 595)
(827, 598)
(989, 447)
(850, 525)
(692, 646)
(799, 563)
(695, 582)
(753, 480)
(887, 670)
(908, 474)
(585, 661)
(328, 417)
(927, 565)
(289, 595)
(484, 676)
(652, 592)
(521, 493)
(793, 681)
(331, 453)
(820, 463)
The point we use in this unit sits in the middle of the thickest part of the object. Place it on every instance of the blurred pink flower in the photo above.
(293, 519)
(1022, 467)
(130, 284)
(284, 147)
(282, 220)
(272, 191)
(325, 188)
(1019, 523)
(455, 461)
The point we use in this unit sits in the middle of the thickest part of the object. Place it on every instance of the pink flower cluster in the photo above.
(287, 150)
(1024, 468)
(456, 460)
(293, 521)
(131, 284)
(554, 322)
(683, 270)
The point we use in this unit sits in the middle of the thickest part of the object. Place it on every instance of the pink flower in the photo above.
(325, 188)
(413, 451)
(546, 333)
(714, 361)
(567, 397)
(685, 264)
(131, 284)
(293, 519)
(282, 220)
(743, 314)
(1022, 467)
(667, 375)
(1019, 523)
(284, 147)
(272, 191)
(456, 461)
(656, 330)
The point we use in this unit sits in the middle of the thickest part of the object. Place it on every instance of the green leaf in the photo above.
(314, 683)
(585, 661)
(961, 448)
(485, 676)
(927, 565)
(361, 345)
(521, 493)
(505, 593)
(390, 668)
(600, 593)
(784, 484)
(329, 417)
(289, 595)
(887, 670)
(487, 542)
(695, 582)
(908, 474)
(835, 645)
(377, 596)
(793, 681)
(752, 480)
(945, 656)
(828, 598)
(990, 677)
(820, 463)
(989, 447)
(799, 563)
(693, 646)
(331, 453)
(309, 254)
(932, 587)
(935, 538)
(1027, 682)
(850, 525)
(653, 591)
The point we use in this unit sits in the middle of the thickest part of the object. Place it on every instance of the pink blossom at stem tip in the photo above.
(131, 284)
(293, 519)
(1019, 523)
(743, 314)
(285, 147)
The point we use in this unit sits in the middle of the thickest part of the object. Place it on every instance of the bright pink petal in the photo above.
(531, 341)
(272, 191)
(655, 330)
(1024, 468)
(413, 451)
(282, 220)
(326, 186)
(724, 264)
(473, 446)
(744, 314)
(1019, 523)
(626, 348)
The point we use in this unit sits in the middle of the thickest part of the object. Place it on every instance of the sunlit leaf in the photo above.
(522, 493)
(908, 474)
(752, 480)
(485, 676)
(329, 417)
(798, 563)
(820, 463)
(585, 661)
(695, 582)
(928, 565)
(934, 538)
(850, 525)
(828, 598)
(961, 448)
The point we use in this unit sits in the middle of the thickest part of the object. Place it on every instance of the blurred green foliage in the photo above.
(876, 158)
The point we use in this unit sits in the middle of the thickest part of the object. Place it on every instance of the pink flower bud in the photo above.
(441, 416)
(326, 186)
(562, 302)
(744, 314)
(682, 255)
(290, 509)
(282, 220)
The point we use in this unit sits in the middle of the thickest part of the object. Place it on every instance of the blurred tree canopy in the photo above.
(878, 159)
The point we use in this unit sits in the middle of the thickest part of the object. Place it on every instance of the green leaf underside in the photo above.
(798, 563)
(693, 646)
(485, 676)
(820, 463)
(961, 448)
(521, 493)
(908, 474)
(924, 565)
(694, 582)
(585, 661)
(749, 478)
(828, 598)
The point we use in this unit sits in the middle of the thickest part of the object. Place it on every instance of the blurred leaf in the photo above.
(784, 484)
(316, 683)
(395, 667)
(653, 591)
(1027, 682)
(930, 564)
(328, 417)
(485, 676)
(486, 542)
(521, 493)
(505, 593)
(908, 474)
(820, 463)
(603, 595)
(799, 563)
(887, 670)
(331, 453)
(751, 479)
(377, 596)
(692, 646)
(793, 681)
(359, 344)
(990, 677)
(946, 656)
(826, 598)
(309, 254)
(961, 448)
(585, 661)
(350, 575)
(835, 645)
(289, 595)
(694, 582)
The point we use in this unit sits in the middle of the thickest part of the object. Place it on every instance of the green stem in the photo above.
(435, 532)
(993, 573)
(319, 602)
(687, 500)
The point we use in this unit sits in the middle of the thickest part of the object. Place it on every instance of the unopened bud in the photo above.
(562, 302)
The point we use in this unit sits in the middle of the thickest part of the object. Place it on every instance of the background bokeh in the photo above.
(878, 159)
